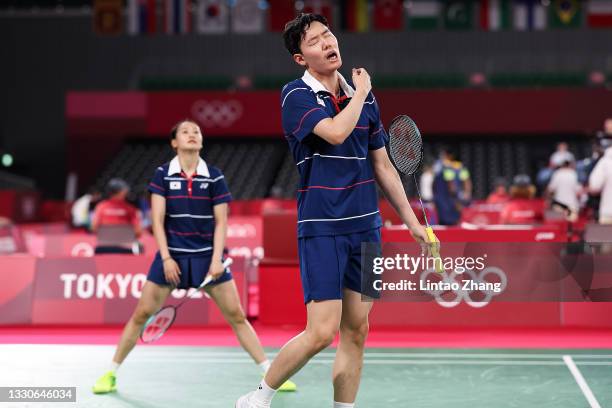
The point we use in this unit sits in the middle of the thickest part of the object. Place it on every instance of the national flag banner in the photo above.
(141, 16)
(566, 13)
(247, 16)
(322, 7)
(280, 13)
(388, 15)
(424, 15)
(108, 17)
(177, 16)
(529, 15)
(599, 13)
(495, 15)
(459, 14)
(212, 17)
(355, 15)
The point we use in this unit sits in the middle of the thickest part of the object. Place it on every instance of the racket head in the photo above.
(158, 324)
(405, 145)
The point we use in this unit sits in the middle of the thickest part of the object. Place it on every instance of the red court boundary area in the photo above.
(276, 336)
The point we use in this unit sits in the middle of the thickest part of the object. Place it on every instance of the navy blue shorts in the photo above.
(193, 271)
(330, 263)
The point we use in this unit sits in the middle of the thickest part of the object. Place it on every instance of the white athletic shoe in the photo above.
(245, 401)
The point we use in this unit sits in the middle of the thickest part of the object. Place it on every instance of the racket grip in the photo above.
(434, 248)
(227, 262)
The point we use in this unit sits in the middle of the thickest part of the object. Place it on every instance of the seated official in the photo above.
(116, 222)
(522, 208)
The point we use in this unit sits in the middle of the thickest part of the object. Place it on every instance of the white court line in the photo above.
(581, 382)
(180, 351)
(394, 355)
(379, 362)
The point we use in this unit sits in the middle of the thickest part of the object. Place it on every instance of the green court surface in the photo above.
(187, 377)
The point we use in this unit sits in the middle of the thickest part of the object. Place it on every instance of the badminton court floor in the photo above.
(181, 376)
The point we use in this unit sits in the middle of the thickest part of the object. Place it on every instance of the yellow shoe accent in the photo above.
(105, 384)
(288, 386)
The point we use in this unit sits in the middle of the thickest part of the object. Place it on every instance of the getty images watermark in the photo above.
(478, 273)
(411, 265)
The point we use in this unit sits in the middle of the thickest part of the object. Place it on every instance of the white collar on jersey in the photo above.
(175, 167)
(317, 86)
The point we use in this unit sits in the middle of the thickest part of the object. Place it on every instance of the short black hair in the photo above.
(178, 125)
(116, 185)
(296, 29)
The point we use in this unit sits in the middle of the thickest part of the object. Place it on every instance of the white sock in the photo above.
(265, 366)
(115, 366)
(344, 404)
(264, 394)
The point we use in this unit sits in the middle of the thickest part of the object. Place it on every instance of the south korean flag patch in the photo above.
(175, 185)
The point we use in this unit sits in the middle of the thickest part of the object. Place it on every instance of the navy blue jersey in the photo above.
(337, 191)
(190, 220)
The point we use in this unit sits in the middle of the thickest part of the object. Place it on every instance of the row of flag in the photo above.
(254, 16)
(180, 16)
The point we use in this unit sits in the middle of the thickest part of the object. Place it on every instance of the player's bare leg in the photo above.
(349, 355)
(321, 329)
(323, 322)
(152, 298)
(225, 295)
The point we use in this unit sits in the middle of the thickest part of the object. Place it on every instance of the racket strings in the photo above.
(405, 145)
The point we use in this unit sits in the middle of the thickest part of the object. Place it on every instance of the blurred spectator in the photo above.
(273, 203)
(600, 180)
(564, 189)
(522, 208)
(144, 205)
(500, 193)
(116, 210)
(426, 183)
(561, 155)
(585, 166)
(452, 187)
(82, 208)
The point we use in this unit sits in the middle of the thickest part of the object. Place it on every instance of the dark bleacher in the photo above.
(259, 168)
(249, 166)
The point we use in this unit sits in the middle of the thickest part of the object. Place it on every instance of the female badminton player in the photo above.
(189, 213)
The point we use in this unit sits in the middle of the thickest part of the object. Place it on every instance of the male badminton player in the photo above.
(334, 131)
(189, 213)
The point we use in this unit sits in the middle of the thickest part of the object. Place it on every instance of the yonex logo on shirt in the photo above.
(203, 185)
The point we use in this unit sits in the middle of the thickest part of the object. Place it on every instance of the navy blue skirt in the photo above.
(193, 271)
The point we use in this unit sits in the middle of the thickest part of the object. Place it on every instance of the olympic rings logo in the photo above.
(465, 294)
(217, 113)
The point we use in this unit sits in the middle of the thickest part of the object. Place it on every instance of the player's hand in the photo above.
(216, 268)
(361, 80)
(172, 272)
(420, 235)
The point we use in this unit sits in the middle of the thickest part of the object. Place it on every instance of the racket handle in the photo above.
(227, 262)
(434, 248)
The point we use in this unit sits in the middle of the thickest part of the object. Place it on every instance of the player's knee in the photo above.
(355, 334)
(236, 316)
(322, 337)
(141, 315)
